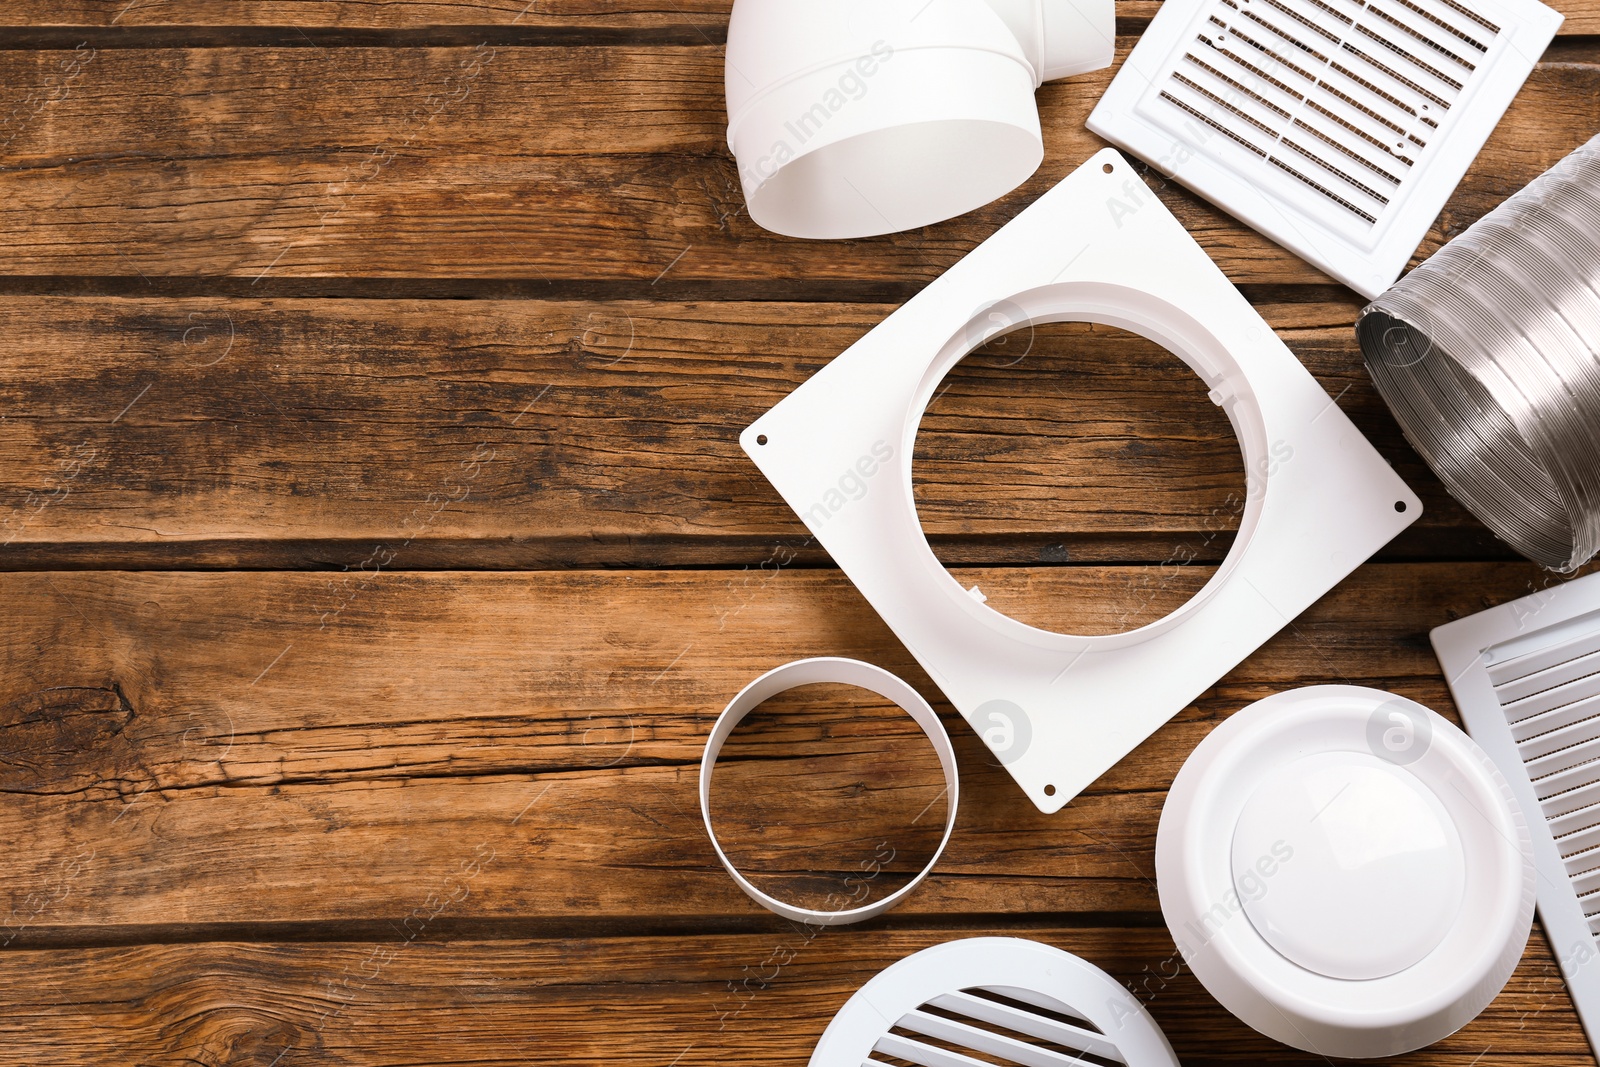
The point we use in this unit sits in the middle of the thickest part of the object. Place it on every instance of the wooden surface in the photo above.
(378, 551)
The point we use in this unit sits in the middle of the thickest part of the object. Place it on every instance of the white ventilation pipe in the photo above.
(850, 118)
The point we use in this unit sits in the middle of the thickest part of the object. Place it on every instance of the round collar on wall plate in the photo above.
(1345, 871)
(1154, 319)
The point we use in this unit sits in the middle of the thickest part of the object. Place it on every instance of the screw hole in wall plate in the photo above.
(761, 439)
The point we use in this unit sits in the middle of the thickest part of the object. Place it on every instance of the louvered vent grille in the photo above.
(1338, 128)
(1551, 700)
(986, 1027)
(1340, 95)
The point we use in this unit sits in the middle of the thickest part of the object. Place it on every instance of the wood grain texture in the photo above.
(380, 809)
(535, 433)
(214, 745)
(1582, 16)
(593, 163)
(576, 16)
(747, 999)
(393, 14)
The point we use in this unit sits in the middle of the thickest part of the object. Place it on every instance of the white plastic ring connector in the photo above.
(846, 672)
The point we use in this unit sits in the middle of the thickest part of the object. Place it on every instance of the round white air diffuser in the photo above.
(993, 1000)
(1345, 871)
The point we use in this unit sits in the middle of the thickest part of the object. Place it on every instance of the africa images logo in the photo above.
(852, 85)
(1399, 732)
(851, 484)
(1250, 885)
(1005, 728)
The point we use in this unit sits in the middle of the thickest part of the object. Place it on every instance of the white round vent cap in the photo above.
(1361, 827)
(1345, 871)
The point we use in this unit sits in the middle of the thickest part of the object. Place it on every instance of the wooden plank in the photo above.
(277, 164)
(394, 14)
(709, 17)
(761, 998)
(187, 750)
(529, 433)
(1582, 16)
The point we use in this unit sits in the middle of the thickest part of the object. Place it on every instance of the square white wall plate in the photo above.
(1059, 709)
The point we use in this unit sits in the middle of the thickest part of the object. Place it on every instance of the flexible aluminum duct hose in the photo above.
(1489, 356)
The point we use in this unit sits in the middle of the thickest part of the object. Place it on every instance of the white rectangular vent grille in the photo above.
(1526, 678)
(1315, 120)
(1300, 84)
(1551, 700)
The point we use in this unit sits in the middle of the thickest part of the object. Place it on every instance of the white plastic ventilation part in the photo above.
(850, 118)
(830, 670)
(1338, 128)
(1059, 709)
(993, 1002)
(1345, 871)
(1526, 678)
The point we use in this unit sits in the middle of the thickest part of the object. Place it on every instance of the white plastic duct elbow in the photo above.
(850, 118)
